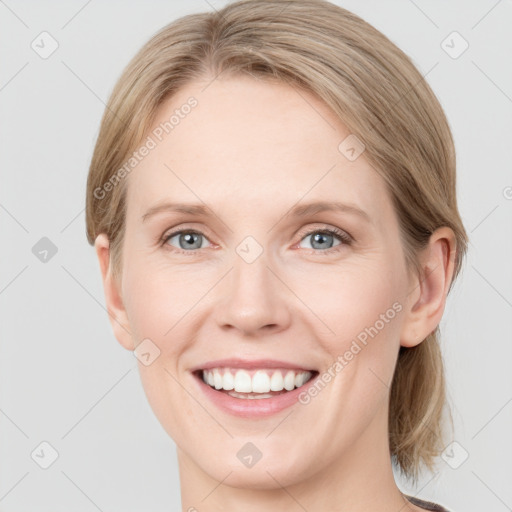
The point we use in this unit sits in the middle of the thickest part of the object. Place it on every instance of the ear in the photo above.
(116, 311)
(427, 298)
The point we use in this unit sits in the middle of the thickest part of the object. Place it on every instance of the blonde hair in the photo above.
(376, 91)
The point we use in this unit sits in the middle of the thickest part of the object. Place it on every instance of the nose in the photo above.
(255, 299)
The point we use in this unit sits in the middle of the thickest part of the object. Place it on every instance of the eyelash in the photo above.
(341, 235)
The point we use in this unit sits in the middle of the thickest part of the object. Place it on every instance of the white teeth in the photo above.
(289, 380)
(262, 381)
(228, 381)
(217, 380)
(243, 382)
(277, 382)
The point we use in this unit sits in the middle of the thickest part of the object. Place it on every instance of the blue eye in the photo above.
(324, 237)
(322, 241)
(187, 239)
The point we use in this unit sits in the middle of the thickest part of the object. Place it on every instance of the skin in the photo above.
(250, 151)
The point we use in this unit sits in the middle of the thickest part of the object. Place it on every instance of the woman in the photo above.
(272, 202)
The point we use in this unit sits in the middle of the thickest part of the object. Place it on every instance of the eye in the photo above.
(189, 240)
(322, 239)
(186, 239)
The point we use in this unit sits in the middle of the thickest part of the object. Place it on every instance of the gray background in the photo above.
(65, 380)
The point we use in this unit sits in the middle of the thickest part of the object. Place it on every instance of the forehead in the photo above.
(245, 143)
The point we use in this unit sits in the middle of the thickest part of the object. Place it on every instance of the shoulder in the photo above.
(427, 505)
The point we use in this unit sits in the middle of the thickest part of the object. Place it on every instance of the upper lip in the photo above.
(250, 364)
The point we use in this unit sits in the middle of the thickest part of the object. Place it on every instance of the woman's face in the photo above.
(261, 284)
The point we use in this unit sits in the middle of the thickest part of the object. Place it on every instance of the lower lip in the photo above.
(252, 408)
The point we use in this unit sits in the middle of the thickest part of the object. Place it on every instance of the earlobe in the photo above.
(113, 298)
(428, 293)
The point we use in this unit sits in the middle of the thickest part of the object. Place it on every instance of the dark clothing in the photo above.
(427, 505)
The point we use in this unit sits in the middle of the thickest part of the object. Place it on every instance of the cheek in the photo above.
(360, 308)
(159, 298)
(349, 299)
(160, 307)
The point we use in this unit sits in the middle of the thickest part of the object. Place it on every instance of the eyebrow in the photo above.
(302, 210)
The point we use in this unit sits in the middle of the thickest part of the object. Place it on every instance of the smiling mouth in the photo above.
(254, 384)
